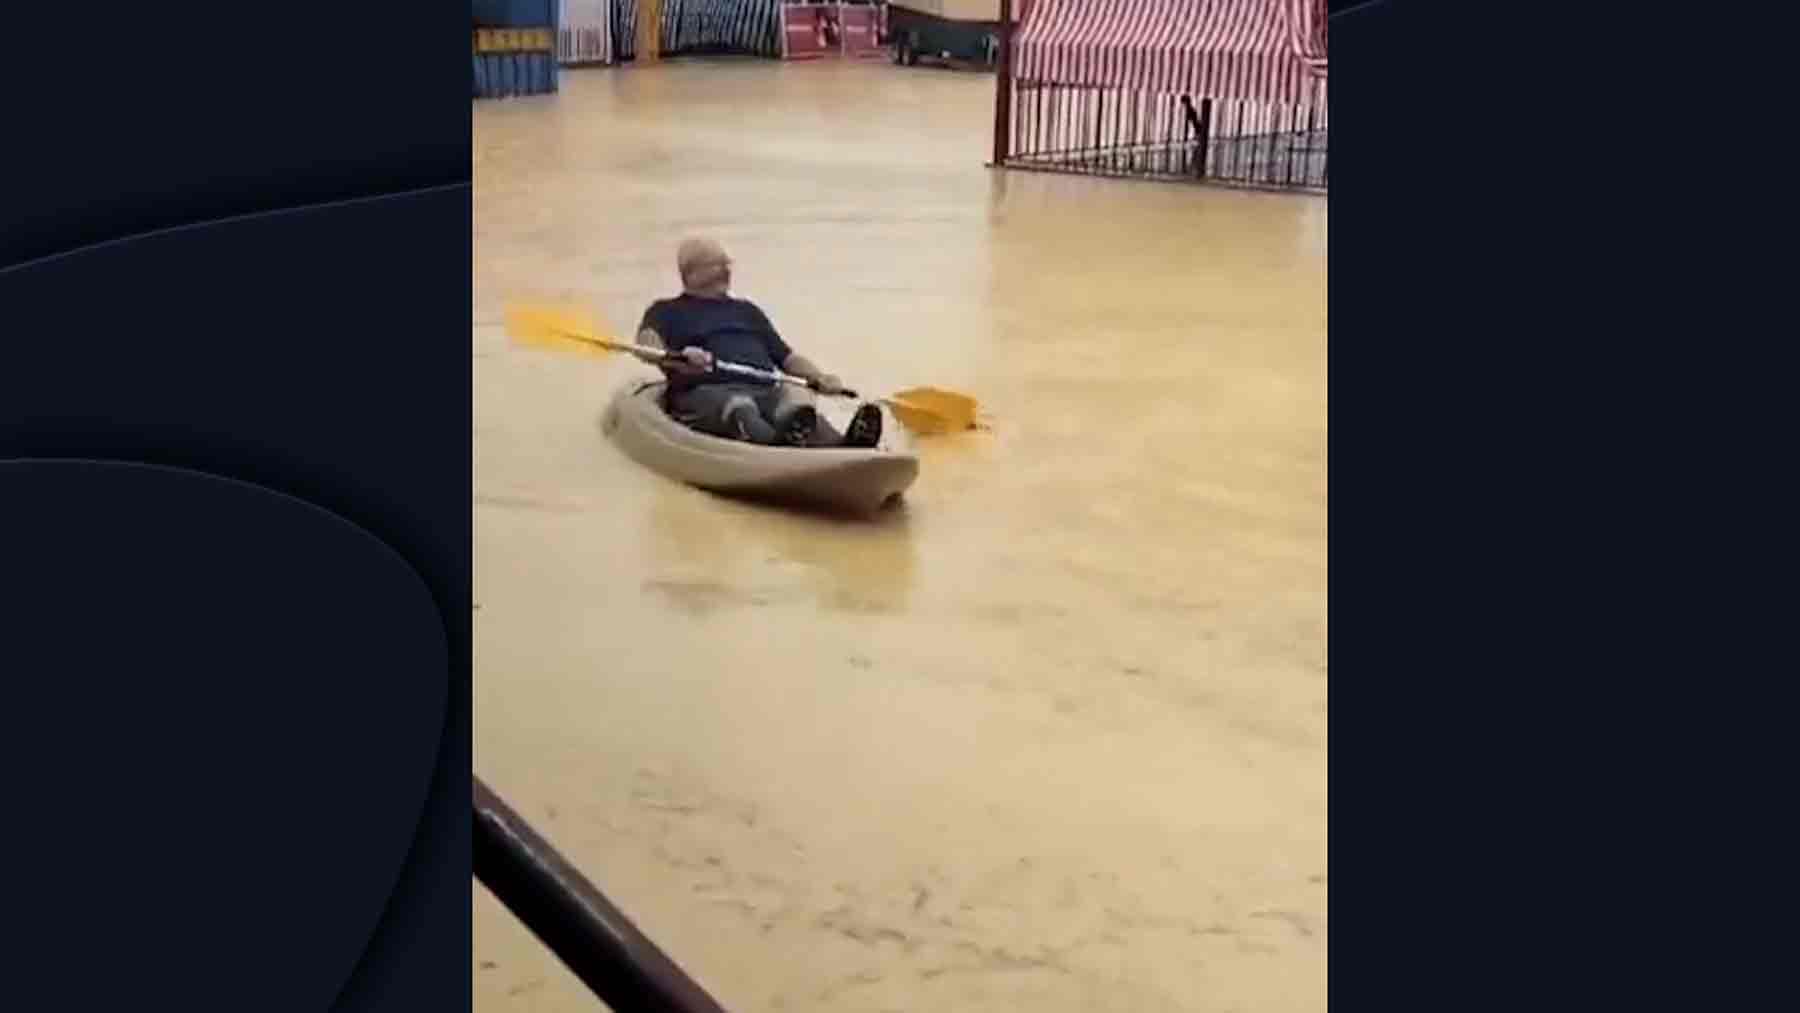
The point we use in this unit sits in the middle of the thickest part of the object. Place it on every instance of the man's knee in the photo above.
(735, 403)
(742, 417)
(789, 399)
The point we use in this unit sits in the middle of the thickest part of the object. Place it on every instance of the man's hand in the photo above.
(828, 384)
(690, 361)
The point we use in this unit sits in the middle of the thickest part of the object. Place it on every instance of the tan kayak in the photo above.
(832, 478)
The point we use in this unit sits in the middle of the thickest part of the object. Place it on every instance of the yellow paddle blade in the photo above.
(558, 328)
(932, 410)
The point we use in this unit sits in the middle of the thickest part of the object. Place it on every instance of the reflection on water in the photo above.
(854, 565)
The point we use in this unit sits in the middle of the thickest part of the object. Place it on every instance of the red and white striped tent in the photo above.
(1258, 51)
(584, 32)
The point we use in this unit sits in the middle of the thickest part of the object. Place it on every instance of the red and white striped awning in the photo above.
(1252, 50)
(584, 32)
(1306, 33)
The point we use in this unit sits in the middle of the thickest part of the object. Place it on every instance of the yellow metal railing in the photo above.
(514, 40)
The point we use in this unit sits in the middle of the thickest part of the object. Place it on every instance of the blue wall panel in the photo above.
(515, 13)
(499, 75)
(502, 75)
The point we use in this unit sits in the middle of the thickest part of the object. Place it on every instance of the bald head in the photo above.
(705, 268)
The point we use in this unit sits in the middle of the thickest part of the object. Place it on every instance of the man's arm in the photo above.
(802, 367)
(648, 337)
(698, 361)
(794, 364)
(799, 365)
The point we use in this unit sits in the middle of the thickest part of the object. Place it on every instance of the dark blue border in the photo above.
(234, 310)
(1499, 190)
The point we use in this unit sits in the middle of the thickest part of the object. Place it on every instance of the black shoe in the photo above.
(865, 427)
(801, 426)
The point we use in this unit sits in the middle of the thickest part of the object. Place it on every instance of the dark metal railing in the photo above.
(1116, 132)
(574, 919)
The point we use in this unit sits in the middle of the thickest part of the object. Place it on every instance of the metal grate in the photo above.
(1113, 132)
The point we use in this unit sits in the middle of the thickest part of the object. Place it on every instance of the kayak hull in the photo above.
(838, 479)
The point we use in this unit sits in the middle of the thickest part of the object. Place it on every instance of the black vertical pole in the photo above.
(1099, 121)
(1206, 109)
(1003, 88)
(585, 931)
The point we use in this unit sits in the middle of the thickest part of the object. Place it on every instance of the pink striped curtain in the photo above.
(1306, 21)
(1223, 49)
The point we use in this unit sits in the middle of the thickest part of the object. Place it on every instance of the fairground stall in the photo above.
(956, 32)
(1228, 91)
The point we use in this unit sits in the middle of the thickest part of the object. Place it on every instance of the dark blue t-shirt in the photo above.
(733, 330)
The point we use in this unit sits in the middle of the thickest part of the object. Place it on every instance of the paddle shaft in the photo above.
(772, 377)
(924, 409)
(658, 357)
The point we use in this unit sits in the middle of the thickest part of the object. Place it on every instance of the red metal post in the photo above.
(1003, 88)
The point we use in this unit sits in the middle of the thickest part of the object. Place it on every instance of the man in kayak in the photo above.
(705, 322)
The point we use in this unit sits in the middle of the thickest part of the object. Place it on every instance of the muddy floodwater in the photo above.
(1052, 737)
